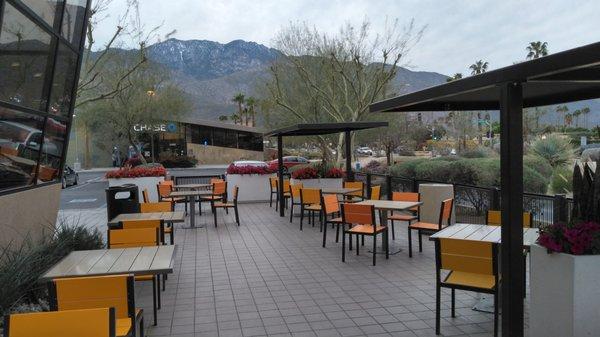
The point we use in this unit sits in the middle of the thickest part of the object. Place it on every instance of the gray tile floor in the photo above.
(268, 278)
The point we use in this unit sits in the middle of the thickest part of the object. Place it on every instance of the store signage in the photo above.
(165, 127)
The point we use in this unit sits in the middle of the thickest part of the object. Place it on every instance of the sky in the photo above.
(457, 32)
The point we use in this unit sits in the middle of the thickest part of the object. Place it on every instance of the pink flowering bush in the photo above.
(306, 173)
(334, 172)
(137, 172)
(249, 169)
(580, 238)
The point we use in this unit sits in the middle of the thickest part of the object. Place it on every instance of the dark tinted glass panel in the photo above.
(224, 138)
(201, 135)
(48, 10)
(250, 141)
(72, 24)
(20, 136)
(52, 150)
(25, 51)
(62, 84)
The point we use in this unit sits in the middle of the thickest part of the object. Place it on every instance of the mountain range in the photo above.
(211, 73)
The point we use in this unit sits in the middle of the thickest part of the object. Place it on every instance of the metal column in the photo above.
(280, 175)
(348, 141)
(511, 173)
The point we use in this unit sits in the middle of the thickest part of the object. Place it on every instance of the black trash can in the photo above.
(122, 199)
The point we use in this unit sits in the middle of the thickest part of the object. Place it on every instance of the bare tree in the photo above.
(335, 78)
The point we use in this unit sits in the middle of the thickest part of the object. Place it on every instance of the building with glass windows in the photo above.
(41, 43)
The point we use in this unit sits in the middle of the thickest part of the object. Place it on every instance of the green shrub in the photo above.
(562, 180)
(22, 265)
(406, 169)
(534, 182)
(556, 150)
(538, 164)
(464, 171)
(436, 170)
(479, 152)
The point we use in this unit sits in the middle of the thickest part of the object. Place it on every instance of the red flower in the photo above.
(577, 238)
(334, 173)
(248, 169)
(137, 172)
(306, 173)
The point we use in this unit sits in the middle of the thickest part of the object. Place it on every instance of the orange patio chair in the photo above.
(431, 228)
(227, 205)
(294, 198)
(89, 323)
(413, 214)
(361, 218)
(354, 196)
(162, 206)
(310, 201)
(219, 193)
(331, 215)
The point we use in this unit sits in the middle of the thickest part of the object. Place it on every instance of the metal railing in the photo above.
(203, 179)
(472, 202)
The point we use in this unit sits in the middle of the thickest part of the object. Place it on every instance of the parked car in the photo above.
(288, 161)
(364, 151)
(255, 163)
(70, 177)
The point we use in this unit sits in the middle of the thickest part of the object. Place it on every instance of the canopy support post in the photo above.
(511, 173)
(348, 141)
(280, 175)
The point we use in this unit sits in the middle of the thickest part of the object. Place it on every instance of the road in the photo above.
(89, 193)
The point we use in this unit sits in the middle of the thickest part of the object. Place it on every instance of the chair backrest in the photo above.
(133, 224)
(146, 195)
(446, 213)
(310, 196)
(330, 203)
(355, 184)
(138, 237)
(153, 207)
(466, 256)
(216, 180)
(164, 190)
(494, 218)
(286, 185)
(236, 191)
(70, 323)
(273, 183)
(407, 196)
(167, 182)
(376, 192)
(357, 214)
(219, 187)
(115, 291)
(295, 190)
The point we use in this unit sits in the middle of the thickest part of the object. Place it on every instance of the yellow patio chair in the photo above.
(471, 266)
(294, 198)
(286, 192)
(139, 237)
(115, 291)
(354, 196)
(227, 205)
(430, 228)
(161, 206)
(145, 195)
(331, 207)
(310, 201)
(273, 189)
(219, 193)
(375, 192)
(361, 219)
(68, 323)
(494, 218)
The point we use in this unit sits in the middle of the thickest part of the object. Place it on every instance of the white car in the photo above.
(255, 163)
(364, 151)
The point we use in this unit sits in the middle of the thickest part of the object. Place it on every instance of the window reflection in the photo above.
(24, 60)
(72, 24)
(52, 150)
(48, 10)
(62, 84)
(20, 137)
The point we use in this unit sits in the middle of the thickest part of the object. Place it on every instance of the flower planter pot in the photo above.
(142, 183)
(253, 187)
(319, 182)
(565, 294)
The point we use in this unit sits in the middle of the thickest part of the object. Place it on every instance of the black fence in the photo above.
(472, 202)
(204, 179)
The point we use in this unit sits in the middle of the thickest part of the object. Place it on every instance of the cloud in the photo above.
(458, 32)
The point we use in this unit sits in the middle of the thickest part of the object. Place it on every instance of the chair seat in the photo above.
(211, 197)
(224, 204)
(313, 207)
(461, 278)
(144, 278)
(335, 220)
(402, 217)
(168, 229)
(365, 229)
(425, 226)
(123, 327)
(287, 194)
(173, 199)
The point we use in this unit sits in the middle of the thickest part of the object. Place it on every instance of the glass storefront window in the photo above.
(225, 138)
(62, 84)
(25, 60)
(250, 141)
(20, 138)
(48, 10)
(52, 150)
(72, 25)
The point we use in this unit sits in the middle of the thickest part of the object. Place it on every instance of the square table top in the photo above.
(171, 217)
(390, 205)
(189, 193)
(340, 190)
(137, 261)
(483, 233)
(192, 186)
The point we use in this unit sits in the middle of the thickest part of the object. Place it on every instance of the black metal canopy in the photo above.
(315, 129)
(568, 76)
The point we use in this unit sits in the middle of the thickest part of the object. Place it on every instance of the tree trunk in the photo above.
(86, 158)
(340, 148)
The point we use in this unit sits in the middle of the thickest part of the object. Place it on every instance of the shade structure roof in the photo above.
(568, 76)
(314, 129)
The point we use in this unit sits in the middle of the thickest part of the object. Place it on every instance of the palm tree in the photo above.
(239, 98)
(478, 67)
(537, 49)
(454, 77)
(251, 103)
(223, 118)
(561, 109)
(235, 118)
(576, 114)
(585, 111)
(568, 119)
